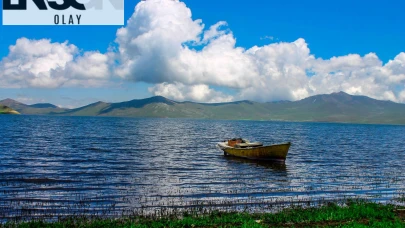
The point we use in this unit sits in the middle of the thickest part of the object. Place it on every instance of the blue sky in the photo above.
(329, 29)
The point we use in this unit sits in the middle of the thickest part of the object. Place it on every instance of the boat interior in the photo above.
(243, 143)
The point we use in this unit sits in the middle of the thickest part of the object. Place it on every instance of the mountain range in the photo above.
(336, 107)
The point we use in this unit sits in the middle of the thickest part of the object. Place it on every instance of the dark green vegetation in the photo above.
(6, 110)
(336, 107)
(352, 214)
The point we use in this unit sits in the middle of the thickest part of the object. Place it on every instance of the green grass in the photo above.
(352, 214)
(7, 110)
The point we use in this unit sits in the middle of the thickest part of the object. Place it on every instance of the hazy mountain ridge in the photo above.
(34, 109)
(335, 107)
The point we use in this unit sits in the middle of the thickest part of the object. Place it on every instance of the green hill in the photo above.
(35, 109)
(162, 107)
(6, 110)
(335, 107)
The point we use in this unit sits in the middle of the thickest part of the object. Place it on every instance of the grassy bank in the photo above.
(7, 110)
(352, 214)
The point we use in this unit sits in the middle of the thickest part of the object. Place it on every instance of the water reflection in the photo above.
(278, 166)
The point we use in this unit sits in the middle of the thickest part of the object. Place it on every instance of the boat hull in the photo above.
(272, 152)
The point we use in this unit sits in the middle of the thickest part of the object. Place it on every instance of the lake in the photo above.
(55, 166)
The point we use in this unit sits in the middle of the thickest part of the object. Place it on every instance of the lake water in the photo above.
(56, 166)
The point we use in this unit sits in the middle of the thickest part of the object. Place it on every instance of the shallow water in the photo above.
(54, 166)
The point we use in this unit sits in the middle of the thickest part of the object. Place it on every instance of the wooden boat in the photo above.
(256, 151)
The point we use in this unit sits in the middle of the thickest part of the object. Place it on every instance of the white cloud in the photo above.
(214, 31)
(43, 64)
(180, 92)
(29, 100)
(360, 75)
(402, 96)
(267, 38)
(153, 39)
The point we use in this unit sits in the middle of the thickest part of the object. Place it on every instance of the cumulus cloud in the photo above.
(153, 39)
(157, 46)
(43, 64)
(360, 75)
(163, 45)
(180, 92)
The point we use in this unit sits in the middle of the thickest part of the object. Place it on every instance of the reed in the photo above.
(46, 199)
(352, 213)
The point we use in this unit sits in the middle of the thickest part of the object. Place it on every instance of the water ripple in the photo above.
(70, 165)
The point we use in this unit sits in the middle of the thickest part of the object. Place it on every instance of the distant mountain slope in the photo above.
(162, 107)
(43, 105)
(335, 107)
(6, 110)
(35, 109)
(340, 107)
(88, 110)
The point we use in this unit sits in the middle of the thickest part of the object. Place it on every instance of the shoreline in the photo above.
(218, 119)
(349, 214)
